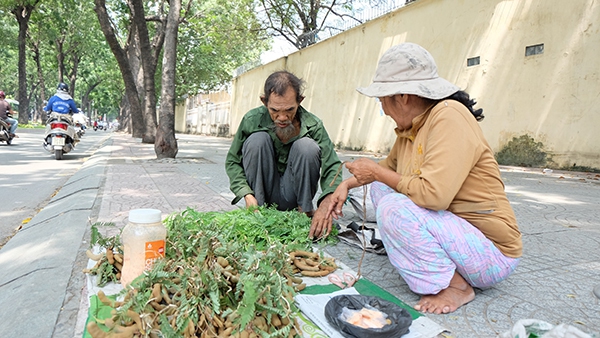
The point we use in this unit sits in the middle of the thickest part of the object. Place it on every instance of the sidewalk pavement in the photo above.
(43, 288)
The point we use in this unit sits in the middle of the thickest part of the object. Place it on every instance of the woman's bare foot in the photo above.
(457, 294)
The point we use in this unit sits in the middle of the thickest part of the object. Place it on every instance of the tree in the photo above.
(299, 21)
(22, 10)
(166, 143)
(213, 43)
(131, 91)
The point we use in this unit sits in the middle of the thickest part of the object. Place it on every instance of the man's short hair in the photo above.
(280, 81)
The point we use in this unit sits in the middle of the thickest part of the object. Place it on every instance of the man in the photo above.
(61, 102)
(280, 152)
(6, 109)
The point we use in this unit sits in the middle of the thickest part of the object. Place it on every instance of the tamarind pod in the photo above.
(156, 292)
(118, 275)
(296, 280)
(110, 323)
(119, 266)
(110, 256)
(289, 282)
(157, 306)
(320, 273)
(104, 299)
(191, 329)
(276, 321)
(244, 334)
(201, 320)
(327, 268)
(119, 258)
(296, 270)
(292, 333)
(124, 331)
(301, 253)
(311, 262)
(92, 256)
(165, 296)
(176, 280)
(300, 287)
(228, 323)
(285, 321)
(217, 321)
(95, 331)
(86, 270)
(136, 318)
(226, 332)
(233, 278)
(97, 265)
(222, 262)
(301, 264)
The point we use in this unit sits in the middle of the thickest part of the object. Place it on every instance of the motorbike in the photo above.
(60, 136)
(5, 132)
(79, 129)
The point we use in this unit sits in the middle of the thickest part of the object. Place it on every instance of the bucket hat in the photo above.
(408, 68)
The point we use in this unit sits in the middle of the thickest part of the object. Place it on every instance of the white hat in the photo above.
(408, 68)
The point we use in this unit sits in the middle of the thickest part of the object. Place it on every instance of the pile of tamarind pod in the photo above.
(311, 264)
(165, 310)
(108, 267)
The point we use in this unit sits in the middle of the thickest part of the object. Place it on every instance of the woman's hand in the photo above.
(364, 170)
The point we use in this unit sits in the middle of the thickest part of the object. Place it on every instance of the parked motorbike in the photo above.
(5, 132)
(79, 129)
(60, 136)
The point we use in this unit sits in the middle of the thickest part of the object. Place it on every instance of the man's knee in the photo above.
(255, 142)
(306, 148)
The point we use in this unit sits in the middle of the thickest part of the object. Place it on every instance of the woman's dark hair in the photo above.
(280, 81)
(467, 101)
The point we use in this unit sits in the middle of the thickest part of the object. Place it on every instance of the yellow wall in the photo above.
(552, 96)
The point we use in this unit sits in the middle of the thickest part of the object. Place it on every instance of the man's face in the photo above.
(282, 109)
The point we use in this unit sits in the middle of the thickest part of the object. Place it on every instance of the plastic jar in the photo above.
(143, 243)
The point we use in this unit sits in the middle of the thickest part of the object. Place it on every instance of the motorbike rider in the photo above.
(61, 102)
(5, 110)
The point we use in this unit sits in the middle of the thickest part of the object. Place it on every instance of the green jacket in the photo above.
(258, 119)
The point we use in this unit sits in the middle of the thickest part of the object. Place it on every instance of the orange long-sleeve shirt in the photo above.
(446, 164)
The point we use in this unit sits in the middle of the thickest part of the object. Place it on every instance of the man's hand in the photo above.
(320, 226)
(250, 201)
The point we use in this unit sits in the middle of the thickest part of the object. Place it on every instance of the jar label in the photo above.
(154, 251)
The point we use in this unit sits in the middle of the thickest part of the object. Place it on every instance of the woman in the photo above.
(442, 212)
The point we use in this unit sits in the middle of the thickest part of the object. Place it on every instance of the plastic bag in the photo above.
(399, 317)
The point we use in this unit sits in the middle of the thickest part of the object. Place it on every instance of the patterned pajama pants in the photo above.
(427, 247)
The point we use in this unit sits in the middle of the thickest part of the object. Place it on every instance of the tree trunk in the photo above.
(135, 107)
(166, 143)
(23, 14)
(149, 67)
(40, 75)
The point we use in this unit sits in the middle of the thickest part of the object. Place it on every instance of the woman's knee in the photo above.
(390, 207)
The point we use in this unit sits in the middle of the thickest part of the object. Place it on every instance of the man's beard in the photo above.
(284, 133)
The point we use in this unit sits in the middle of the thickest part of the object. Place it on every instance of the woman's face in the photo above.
(396, 107)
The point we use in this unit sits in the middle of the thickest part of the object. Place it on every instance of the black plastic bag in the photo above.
(399, 317)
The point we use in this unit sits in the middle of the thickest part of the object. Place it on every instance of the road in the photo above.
(31, 175)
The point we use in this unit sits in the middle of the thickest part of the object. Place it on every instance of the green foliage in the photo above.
(100, 240)
(213, 42)
(523, 151)
(257, 228)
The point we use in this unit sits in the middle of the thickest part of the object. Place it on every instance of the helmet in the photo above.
(63, 87)
(2, 94)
